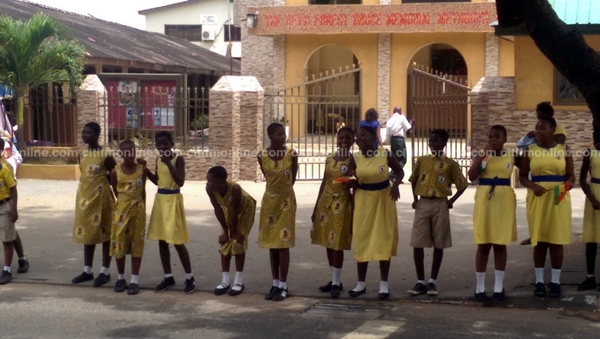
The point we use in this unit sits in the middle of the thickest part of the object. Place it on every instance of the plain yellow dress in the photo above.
(129, 221)
(548, 222)
(333, 218)
(494, 216)
(167, 221)
(591, 217)
(375, 222)
(245, 219)
(277, 228)
(94, 202)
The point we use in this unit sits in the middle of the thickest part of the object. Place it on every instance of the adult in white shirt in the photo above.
(397, 127)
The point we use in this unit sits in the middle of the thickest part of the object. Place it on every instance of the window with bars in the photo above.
(236, 33)
(187, 32)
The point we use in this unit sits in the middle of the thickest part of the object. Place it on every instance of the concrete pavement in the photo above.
(46, 211)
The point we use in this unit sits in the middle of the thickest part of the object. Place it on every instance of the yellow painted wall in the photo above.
(404, 47)
(534, 75)
(299, 48)
(506, 58)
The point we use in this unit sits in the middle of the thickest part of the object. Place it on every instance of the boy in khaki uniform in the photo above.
(8, 217)
(432, 179)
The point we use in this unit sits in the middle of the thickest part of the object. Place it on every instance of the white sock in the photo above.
(120, 276)
(555, 276)
(169, 275)
(590, 276)
(134, 279)
(383, 287)
(422, 282)
(539, 275)
(239, 278)
(276, 282)
(104, 270)
(7, 269)
(225, 280)
(432, 281)
(23, 258)
(359, 287)
(283, 284)
(337, 272)
(87, 269)
(499, 283)
(480, 282)
(189, 276)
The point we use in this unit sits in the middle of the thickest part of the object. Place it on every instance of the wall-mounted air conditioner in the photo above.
(208, 34)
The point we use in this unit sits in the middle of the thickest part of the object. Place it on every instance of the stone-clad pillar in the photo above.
(91, 106)
(383, 77)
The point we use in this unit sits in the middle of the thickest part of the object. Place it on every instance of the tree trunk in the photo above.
(565, 47)
(20, 123)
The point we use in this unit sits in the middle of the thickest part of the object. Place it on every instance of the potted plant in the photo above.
(200, 124)
(284, 122)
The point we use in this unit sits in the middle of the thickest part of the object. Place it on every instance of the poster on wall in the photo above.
(163, 116)
(127, 93)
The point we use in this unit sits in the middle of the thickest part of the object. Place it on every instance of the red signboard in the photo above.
(401, 18)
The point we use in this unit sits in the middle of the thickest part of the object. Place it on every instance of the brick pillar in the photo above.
(383, 77)
(91, 106)
(236, 126)
(492, 47)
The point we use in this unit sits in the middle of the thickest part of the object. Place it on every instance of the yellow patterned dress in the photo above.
(375, 222)
(591, 217)
(548, 222)
(167, 221)
(94, 201)
(332, 227)
(494, 216)
(277, 227)
(129, 220)
(245, 219)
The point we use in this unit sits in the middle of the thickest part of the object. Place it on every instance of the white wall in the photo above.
(190, 15)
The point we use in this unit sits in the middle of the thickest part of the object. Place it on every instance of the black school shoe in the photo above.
(101, 279)
(120, 285)
(281, 294)
(499, 295)
(336, 290)
(83, 277)
(329, 286)
(23, 266)
(5, 278)
(587, 284)
(418, 289)
(555, 290)
(190, 285)
(481, 296)
(221, 289)
(271, 293)
(233, 293)
(355, 294)
(165, 284)
(133, 289)
(540, 290)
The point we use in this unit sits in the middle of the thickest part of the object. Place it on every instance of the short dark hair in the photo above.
(549, 120)
(94, 126)
(499, 128)
(369, 129)
(371, 115)
(218, 172)
(272, 127)
(441, 133)
(346, 129)
(127, 143)
(164, 134)
(2, 144)
(545, 108)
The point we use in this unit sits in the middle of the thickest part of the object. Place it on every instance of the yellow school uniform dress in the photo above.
(332, 227)
(129, 217)
(548, 222)
(167, 221)
(94, 201)
(375, 222)
(494, 216)
(245, 219)
(591, 217)
(277, 227)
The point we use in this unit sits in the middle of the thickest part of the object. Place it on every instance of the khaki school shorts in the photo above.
(431, 226)
(8, 231)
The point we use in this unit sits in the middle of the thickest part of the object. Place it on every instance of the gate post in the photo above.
(91, 106)
(236, 126)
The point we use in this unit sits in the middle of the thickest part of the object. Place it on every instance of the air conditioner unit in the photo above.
(208, 34)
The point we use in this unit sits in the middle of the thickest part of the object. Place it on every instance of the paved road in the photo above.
(47, 311)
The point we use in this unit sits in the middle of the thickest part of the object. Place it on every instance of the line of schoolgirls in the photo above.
(355, 208)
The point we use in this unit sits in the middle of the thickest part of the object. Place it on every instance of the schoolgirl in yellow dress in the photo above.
(548, 201)
(167, 221)
(234, 209)
(375, 220)
(277, 228)
(94, 205)
(494, 216)
(129, 222)
(591, 213)
(332, 215)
